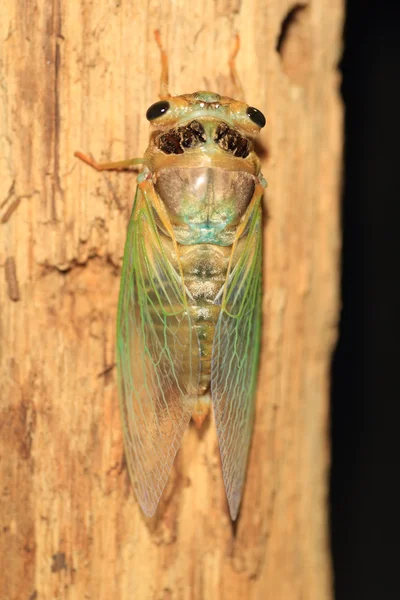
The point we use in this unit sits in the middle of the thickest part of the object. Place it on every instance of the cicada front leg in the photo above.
(109, 166)
(164, 91)
(238, 88)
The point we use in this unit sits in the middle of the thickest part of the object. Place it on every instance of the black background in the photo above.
(365, 498)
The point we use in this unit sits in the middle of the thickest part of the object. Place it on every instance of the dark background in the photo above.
(365, 498)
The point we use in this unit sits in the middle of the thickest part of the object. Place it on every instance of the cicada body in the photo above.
(188, 332)
(189, 309)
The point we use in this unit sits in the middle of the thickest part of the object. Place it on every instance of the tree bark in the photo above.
(80, 75)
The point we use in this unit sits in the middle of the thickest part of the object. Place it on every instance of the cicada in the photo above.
(188, 330)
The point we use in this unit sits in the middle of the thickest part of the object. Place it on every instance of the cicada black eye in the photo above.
(256, 116)
(157, 110)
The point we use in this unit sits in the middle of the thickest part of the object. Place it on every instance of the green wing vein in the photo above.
(157, 357)
(235, 362)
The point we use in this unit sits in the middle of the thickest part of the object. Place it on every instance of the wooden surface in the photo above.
(80, 75)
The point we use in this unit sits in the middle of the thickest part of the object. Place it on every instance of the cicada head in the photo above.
(214, 128)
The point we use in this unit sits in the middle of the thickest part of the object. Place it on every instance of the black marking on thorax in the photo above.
(230, 140)
(178, 140)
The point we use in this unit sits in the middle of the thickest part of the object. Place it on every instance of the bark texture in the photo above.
(80, 75)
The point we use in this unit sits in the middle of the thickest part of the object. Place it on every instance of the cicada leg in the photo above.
(164, 92)
(110, 166)
(232, 68)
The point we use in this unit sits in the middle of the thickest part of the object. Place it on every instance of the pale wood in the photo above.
(80, 75)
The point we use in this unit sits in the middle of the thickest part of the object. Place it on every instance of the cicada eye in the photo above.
(157, 110)
(256, 116)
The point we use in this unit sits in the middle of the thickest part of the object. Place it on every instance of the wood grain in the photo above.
(80, 76)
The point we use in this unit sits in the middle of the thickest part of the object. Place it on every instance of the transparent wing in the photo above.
(157, 357)
(235, 361)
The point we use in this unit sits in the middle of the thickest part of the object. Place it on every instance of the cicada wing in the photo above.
(157, 357)
(235, 361)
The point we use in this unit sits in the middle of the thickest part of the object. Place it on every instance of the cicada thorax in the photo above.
(205, 172)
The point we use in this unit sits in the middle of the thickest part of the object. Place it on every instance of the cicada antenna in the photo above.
(232, 68)
(164, 92)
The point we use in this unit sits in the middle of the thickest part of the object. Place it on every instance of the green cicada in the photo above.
(188, 331)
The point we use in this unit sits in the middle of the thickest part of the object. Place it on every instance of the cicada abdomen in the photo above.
(188, 331)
